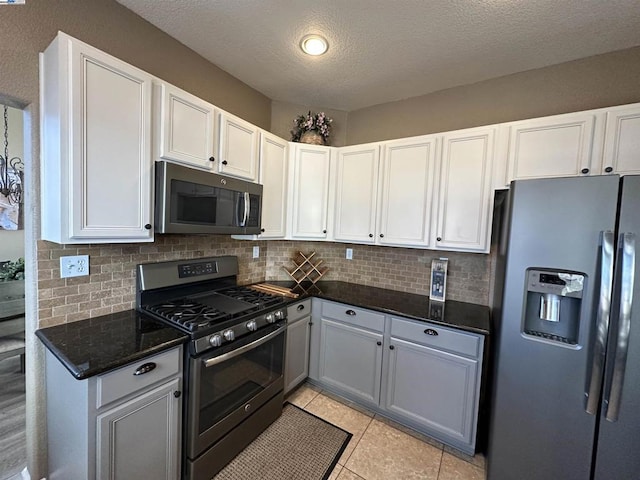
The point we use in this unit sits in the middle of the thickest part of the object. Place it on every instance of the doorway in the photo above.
(13, 449)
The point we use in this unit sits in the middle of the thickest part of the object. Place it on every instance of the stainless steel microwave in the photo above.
(189, 200)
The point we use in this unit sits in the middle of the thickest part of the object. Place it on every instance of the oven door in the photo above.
(227, 387)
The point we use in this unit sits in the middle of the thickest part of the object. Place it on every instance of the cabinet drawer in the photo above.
(298, 310)
(441, 338)
(122, 382)
(354, 316)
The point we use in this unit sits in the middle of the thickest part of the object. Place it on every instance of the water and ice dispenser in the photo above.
(553, 305)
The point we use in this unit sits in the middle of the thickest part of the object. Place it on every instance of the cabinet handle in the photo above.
(224, 162)
(371, 235)
(439, 239)
(300, 308)
(431, 331)
(212, 159)
(378, 343)
(350, 312)
(608, 169)
(324, 231)
(147, 226)
(262, 230)
(391, 347)
(382, 235)
(146, 368)
(584, 171)
(177, 393)
(310, 323)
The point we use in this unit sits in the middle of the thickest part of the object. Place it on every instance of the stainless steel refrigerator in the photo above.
(566, 377)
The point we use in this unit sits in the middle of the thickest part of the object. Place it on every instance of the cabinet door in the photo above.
(297, 354)
(435, 390)
(238, 148)
(311, 168)
(356, 193)
(141, 437)
(406, 192)
(111, 163)
(465, 196)
(559, 146)
(274, 155)
(351, 360)
(622, 141)
(186, 127)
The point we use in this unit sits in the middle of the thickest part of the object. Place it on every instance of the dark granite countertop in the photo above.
(97, 345)
(464, 316)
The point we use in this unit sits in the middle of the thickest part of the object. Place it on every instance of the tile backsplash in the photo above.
(405, 269)
(110, 286)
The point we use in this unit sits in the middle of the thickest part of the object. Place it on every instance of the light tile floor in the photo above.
(383, 450)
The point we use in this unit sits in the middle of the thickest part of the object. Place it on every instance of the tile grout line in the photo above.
(357, 443)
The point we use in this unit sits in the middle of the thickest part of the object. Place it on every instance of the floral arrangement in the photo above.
(12, 270)
(319, 123)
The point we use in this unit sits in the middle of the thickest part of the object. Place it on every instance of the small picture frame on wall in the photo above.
(438, 288)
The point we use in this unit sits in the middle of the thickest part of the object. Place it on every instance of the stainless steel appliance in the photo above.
(234, 366)
(566, 395)
(189, 200)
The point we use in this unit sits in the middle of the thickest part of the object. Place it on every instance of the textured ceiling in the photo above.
(386, 50)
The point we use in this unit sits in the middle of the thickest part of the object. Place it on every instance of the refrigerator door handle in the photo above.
(602, 324)
(628, 257)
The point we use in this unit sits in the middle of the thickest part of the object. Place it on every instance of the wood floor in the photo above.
(12, 418)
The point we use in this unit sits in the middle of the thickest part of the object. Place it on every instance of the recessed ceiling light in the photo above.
(314, 45)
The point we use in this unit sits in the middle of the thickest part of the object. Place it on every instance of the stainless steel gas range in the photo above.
(235, 361)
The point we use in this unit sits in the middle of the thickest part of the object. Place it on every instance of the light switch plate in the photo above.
(75, 266)
(256, 251)
(349, 254)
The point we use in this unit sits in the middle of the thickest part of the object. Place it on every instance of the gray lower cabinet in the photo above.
(351, 359)
(433, 389)
(116, 425)
(297, 350)
(423, 375)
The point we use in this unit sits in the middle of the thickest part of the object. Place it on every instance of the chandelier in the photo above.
(11, 169)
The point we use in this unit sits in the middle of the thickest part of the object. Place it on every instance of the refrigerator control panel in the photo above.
(565, 284)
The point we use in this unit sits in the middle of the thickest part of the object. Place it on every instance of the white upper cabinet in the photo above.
(96, 146)
(406, 192)
(311, 168)
(274, 156)
(238, 148)
(622, 141)
(356, 193)
(465, 195)
(558, 146)
(185, 127)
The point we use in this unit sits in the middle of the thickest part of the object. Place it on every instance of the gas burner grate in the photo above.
(189, 314)
(260, 299)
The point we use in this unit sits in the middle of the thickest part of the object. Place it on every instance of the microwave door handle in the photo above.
(602, 324)
(614, 397)
(239, 203)
(247, 208)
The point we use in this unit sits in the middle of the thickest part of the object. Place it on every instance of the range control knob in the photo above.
(270, 318)
(279, 314)
(228, 335)
(252, 326)
(215, 340)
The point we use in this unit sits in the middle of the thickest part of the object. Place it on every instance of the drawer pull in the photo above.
(391, 347)
(300, 308)
(177, 393)
(146, 368)
(378, 343)
(350, 312)
(431, 331)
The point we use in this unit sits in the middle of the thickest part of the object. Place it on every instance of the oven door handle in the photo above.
(234, 353)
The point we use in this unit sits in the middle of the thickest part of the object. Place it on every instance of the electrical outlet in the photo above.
(256, 251)
(76, 266)
(349, 255)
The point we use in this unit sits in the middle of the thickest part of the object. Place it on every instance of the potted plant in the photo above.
(12, 288)
(311, 128)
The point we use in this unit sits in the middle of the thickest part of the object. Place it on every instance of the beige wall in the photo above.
(594, 82)
(283, 114)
